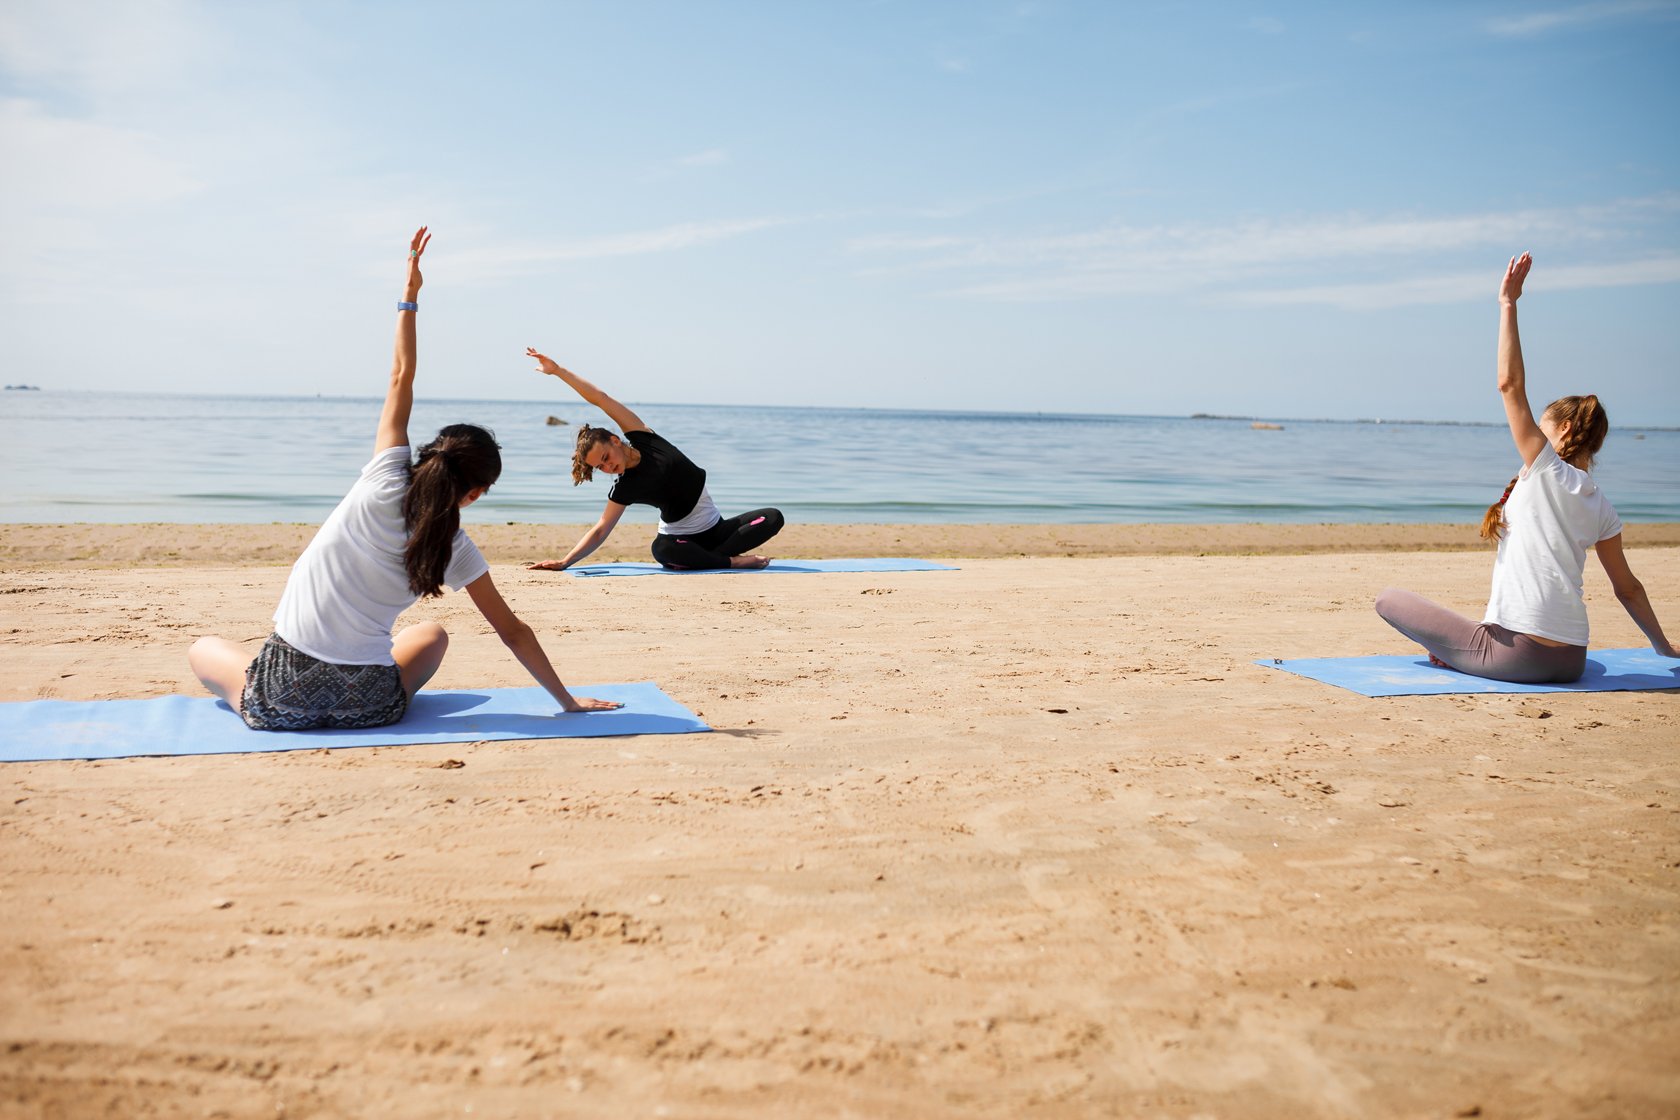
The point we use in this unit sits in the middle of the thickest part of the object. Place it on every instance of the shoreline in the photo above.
(171, 545)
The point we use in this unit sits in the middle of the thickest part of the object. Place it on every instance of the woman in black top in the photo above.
(693, 536)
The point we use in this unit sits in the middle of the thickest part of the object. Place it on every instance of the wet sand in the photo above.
(170, 546)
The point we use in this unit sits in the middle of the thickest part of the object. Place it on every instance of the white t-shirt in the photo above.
(347, 589)
(1554, 514)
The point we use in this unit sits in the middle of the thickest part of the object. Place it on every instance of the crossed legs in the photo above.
(220, 665)
(719, 546)
(1482, 649)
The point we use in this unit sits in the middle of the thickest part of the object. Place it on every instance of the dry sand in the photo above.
(1032, 838)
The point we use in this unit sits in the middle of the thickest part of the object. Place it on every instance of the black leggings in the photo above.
(713, 548)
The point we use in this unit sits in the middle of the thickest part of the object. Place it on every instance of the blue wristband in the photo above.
(404, 305)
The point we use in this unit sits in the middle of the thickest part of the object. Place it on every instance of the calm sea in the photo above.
(67, 457)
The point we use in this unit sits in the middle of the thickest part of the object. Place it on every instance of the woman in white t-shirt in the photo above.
(1535, 627)
(394, 539)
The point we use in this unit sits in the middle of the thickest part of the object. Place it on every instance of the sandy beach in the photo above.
(1033, 838)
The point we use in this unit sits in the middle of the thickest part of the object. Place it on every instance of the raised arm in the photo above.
(522, 641)
(1513, 382)
(1631, 594)
(399, 397)
(626, 420)
(589, 542)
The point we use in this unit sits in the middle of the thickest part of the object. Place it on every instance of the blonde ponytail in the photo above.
(1493, 521)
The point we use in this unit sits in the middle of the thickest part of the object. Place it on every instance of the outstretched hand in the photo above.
(415, 248)
(546, 566)
(1515, 273)
(586, 704)
(545, 364)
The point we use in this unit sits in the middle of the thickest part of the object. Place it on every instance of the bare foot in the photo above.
(748, 561)
(1438, 663)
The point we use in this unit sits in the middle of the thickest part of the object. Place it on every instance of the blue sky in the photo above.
(1281, 210)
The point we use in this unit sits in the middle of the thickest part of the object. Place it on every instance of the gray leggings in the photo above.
(1482, 649)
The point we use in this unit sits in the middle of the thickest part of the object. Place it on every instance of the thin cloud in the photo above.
(894, 243)
(1219, 99)
(101, 49)
(1267, 261)
(1459, 288)
(497, 261)
(1539, 23)
(82, 165)
(711, 157)
(1151, 249)
(1463, 287)
(982, 39)
(680, 165)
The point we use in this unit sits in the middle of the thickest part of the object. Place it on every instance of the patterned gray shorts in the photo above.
(288, 690)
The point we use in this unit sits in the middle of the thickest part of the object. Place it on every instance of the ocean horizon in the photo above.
(71, 457)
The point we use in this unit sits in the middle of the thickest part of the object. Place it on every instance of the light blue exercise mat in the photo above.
(1608, 670)
(882, 564)
(42, 730)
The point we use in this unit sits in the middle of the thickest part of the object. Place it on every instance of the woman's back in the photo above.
(1554, 515)
(345, 592)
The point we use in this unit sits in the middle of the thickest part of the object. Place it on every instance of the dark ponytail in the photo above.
(461, 459)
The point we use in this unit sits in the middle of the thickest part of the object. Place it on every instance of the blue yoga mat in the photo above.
(883, 564)
(41, 730)
(1608, 670)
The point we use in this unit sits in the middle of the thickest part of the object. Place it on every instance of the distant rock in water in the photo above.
(556, 422)
(1262, 426)
(23, 388)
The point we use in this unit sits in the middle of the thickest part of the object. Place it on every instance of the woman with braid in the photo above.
(1535, 628)
(693, 535)
(394, 539)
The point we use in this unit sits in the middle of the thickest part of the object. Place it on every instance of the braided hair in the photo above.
(1588, 425)
(1493, 521)
(463, 458)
